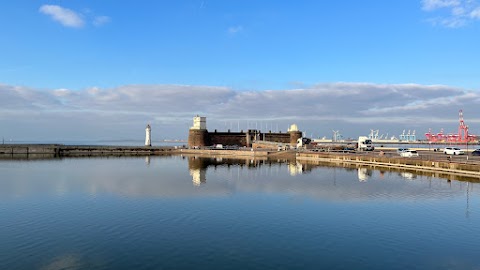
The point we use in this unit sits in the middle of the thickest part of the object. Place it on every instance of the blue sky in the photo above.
(242, 47)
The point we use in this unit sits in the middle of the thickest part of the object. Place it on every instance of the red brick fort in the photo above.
(199, 136)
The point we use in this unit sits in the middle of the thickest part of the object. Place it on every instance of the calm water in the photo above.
(186, 213)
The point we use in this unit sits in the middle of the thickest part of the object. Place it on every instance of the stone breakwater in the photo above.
(59, 150)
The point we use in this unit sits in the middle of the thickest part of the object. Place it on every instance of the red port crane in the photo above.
(461, 137)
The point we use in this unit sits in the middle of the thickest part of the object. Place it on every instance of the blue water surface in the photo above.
(193, 213)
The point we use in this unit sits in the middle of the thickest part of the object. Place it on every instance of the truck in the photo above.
(303, 142)
(364, 144)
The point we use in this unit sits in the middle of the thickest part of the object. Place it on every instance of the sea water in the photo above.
(179, 212)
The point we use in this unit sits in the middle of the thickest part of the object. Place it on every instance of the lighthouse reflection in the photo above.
(147, 160)
(364, 174)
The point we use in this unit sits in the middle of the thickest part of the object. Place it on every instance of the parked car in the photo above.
(400, 150)
(453, 151)
(476, 152)
(409, 153)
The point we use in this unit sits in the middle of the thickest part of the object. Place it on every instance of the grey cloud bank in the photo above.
(122, 112)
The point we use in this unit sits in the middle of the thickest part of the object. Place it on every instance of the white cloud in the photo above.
(453, 22)
(70, 18)
(62, 15)
(475, 14)
(436, 4)
(452, 13)
(101, 20)
(235, 29)
(121, 112)
(458, 11)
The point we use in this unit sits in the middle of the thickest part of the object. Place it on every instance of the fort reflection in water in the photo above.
(198, 166)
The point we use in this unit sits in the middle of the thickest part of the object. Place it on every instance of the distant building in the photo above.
(199, 136)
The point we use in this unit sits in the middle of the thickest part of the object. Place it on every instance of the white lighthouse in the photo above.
(148, 138)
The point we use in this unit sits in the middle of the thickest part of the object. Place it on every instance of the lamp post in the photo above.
(467, 148)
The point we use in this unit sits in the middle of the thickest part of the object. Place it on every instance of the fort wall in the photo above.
(227, 138)
(201, 138)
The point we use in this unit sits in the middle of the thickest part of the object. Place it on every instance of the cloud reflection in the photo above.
(180, 176)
